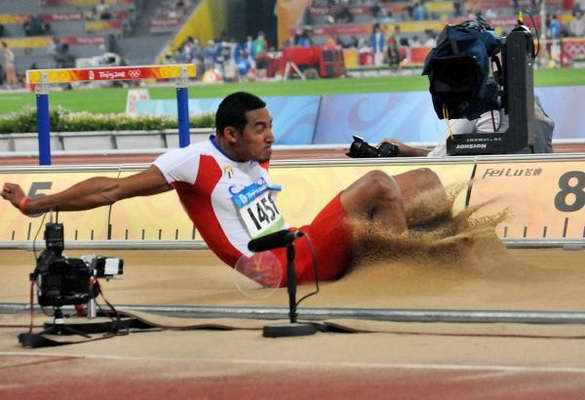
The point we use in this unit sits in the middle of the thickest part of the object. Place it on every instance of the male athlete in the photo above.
(224, 186)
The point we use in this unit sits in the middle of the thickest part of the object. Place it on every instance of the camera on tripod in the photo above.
(362, 149)
(69, 281)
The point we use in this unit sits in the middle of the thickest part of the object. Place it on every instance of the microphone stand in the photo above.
(294, 328)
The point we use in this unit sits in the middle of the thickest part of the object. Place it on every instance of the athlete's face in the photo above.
(255, 141)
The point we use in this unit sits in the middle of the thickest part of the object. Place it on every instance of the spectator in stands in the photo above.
(245, 66)
(2, 30)
(197, 57)
(243, 50)
(431, 40)
(407, 12)
(376, 9)
(248, 45)
(419, 12)
(415, 42)
(53, 46)
(364, 52)
(330, 43)
(377, 43)
(34, 26)
(381, 14)
(102, 10)
(458, 8)
(181, 7)
(304, 39)
(343, 15)
(553, 44)
(295, 38)
(577, 26)
(187, 50)
(126, 26)
(393, 48)
(328, 18)
(64, 59)
(209, 55)
(260, 44)
(554, 28)
(9, 66)
(226, 59)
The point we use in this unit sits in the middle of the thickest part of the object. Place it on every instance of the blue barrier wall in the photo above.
(407, 116)
(294, 118)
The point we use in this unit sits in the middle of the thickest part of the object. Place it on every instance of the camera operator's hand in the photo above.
(405, 150)
(14, 194)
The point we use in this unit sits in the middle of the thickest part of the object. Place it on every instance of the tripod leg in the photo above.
(61, 329)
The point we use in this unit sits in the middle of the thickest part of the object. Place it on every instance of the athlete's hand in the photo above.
(13, 193)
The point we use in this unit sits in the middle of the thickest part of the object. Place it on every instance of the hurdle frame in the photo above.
(40, 81)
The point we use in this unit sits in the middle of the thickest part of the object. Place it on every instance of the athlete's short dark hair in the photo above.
(232, 110)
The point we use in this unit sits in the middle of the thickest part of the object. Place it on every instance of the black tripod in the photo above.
(294, 328)
(58, 326)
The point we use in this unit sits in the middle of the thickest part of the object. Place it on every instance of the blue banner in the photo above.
(294, 117)
(406, 116)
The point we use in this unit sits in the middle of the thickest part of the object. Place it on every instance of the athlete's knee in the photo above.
(427, 178)
(380, 186)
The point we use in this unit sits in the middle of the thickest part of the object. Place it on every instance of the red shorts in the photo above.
(330, 235)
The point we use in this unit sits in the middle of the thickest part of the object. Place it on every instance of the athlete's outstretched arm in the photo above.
(91, 193)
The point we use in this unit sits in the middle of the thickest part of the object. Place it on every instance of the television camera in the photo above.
(458, 70)
(69, 281)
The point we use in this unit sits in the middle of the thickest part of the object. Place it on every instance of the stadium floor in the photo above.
(393, 360)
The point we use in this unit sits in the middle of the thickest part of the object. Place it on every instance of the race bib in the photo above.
(257, 208)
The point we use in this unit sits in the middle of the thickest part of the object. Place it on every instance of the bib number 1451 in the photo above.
(263, 212)
(256, 205)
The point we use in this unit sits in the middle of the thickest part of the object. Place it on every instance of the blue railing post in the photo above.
(183, 109)
(43, 121)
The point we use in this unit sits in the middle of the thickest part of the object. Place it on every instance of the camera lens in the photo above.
(355, 149)
(362, 149)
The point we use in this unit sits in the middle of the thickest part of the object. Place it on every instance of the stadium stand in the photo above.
(153, 30)
(61, 33)
(66, 33)
(410, 27)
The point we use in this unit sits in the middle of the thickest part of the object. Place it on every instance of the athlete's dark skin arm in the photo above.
(91, 193)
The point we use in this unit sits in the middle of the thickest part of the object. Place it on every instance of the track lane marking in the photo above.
(326, 364)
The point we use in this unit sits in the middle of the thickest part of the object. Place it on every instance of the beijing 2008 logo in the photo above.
(134, 73)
